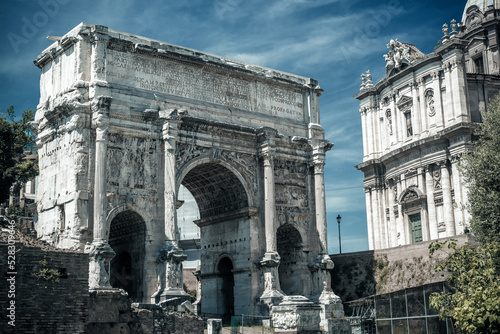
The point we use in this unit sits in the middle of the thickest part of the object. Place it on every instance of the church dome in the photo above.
(481, 4)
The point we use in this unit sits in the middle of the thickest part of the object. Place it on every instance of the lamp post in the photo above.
(340, 244)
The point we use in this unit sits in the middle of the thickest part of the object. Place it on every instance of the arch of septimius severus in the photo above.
(124, 121)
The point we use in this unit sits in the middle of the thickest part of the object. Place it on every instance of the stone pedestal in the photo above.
(272, 294)
(214, 326)
(331, 304)
(172, 257)
(296, 314)
(100, 254)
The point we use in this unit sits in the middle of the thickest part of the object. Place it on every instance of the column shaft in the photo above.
(449, 219)
(319, 189)
(100, 199)
(369, 218)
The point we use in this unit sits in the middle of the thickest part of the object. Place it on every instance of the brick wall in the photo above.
(41, 305)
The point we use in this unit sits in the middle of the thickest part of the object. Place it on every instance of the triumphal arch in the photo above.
(124, 121)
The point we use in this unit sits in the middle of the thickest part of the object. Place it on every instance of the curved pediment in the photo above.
(411, 194)
(404, 103)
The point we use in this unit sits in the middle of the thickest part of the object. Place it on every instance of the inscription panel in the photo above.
(201, 84)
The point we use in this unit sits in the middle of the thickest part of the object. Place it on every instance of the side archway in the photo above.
(127, 236)
(293, 270)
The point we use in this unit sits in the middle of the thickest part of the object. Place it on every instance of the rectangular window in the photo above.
(416, 228)
(479, 65)
(409, 129)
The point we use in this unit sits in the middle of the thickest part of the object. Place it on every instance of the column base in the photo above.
(171, 293)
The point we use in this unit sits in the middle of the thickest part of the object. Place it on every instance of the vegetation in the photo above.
(481, 172)
(48, 274)
(473, 299)
(191, 293)
(14, 137)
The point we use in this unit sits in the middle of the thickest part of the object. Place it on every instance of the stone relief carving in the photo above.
(389, 120)
(130, 162)
(410, 196)
(174, 276)
(474, 17)
(286, 321)
(429, 99)
(269, 279)
(437, 179)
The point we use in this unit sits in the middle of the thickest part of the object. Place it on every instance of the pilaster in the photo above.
(437, 114)
(457, 188)
(431, 205)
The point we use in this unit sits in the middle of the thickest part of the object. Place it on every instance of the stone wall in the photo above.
(47, 303)
(51, 295)
(362, 274)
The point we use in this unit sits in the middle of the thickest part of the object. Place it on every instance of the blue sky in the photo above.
(333, 41)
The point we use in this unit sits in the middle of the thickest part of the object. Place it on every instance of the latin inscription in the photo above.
(199, 84)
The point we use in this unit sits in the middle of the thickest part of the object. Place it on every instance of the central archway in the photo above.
(127, 236)
(223, 204)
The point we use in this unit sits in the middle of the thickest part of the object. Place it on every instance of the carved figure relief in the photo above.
(429, 99)
(269, 280)
(389, 120)
(130, 162)
(174, 274)
(288, 320)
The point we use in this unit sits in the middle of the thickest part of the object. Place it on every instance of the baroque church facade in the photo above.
(418, 121)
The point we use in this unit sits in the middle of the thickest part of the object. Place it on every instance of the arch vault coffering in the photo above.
(216, 190)
(127, 236)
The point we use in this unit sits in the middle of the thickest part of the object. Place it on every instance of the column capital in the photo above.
(270, 260)
(100, 106)
(267, 135)
(456, 158)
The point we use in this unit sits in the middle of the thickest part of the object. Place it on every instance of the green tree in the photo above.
(481, 171)
(473, 299)
(14, 136)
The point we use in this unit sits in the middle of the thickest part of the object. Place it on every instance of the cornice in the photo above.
(158, 49)
(441, 137)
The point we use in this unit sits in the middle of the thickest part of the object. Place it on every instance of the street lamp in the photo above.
(340, 244)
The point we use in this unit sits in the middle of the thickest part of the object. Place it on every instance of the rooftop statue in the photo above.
(400, 54)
